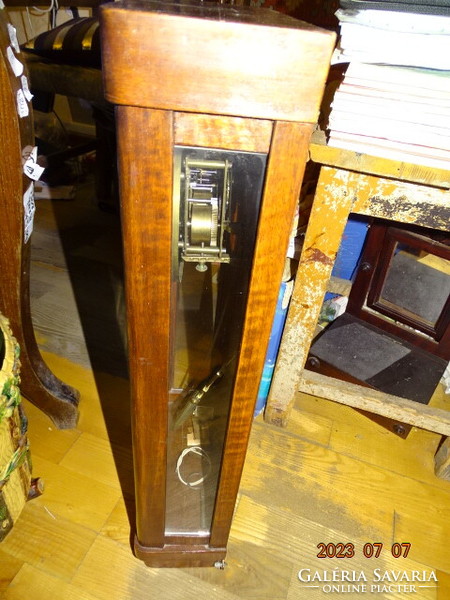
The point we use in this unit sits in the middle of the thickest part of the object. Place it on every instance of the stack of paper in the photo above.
(394, 100)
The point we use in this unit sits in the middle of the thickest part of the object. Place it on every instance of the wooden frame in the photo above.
(161, 106)
(386, 237)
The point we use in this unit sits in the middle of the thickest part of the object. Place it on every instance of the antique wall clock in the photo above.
(215, 108)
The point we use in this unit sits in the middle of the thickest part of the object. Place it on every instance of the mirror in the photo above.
(417, 284)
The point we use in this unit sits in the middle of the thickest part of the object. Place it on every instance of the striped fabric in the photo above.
(76, 42)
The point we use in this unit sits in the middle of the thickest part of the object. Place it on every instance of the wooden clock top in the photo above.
(215, 59)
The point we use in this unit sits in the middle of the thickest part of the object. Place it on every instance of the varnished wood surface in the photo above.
(193, 554)
(379, 249)
(208, 60)
(331, 476)
(146, 200)
(283, 180)
(228, 133)
(146, 217)
(247, 62)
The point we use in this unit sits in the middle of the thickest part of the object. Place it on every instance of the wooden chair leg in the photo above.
(36, 488)
(442, 460)
(38, 384)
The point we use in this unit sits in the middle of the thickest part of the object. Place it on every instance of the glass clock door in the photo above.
(216, 203)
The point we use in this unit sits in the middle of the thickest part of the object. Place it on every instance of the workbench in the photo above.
(351, 182)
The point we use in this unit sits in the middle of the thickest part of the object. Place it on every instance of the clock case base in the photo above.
(179, 555)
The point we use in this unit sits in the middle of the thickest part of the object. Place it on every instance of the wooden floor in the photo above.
(332, 476)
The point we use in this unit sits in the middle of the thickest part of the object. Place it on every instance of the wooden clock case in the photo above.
(231, 79)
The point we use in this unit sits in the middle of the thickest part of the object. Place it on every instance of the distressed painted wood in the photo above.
(390, 199)
(323, 154)
(393, 407)
(442, 460)
(397, 200)
(339, 286)
(340, 192)
(326, 224)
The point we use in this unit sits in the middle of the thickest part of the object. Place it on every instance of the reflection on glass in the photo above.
(418, 283)
(216, 205)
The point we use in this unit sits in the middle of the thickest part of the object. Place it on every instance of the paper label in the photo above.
(22, 106)
(13, 37)
(26, 90)
(1, 4)
(16, 65)
(28, 213)
(31, 167)
(29, 151)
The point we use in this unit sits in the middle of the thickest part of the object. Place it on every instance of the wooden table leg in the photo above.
(329, 214)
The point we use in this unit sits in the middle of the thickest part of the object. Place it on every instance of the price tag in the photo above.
(22, 106)
(28, 214)
(31, 167)
(16, 65)
(26, 90)
(13, 37)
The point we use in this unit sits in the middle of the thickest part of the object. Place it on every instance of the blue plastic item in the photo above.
(272, 350)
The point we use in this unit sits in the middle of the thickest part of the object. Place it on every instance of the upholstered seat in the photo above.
(66, 60)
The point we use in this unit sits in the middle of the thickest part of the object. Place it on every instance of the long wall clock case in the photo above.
(215, 108)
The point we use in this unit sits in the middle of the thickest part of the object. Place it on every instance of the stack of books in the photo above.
(394, 100)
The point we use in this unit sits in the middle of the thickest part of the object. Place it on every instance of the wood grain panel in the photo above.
(44, 586)
(146, 196)
(228, 133)
(185, 555)
(283, 180)
(214, 59)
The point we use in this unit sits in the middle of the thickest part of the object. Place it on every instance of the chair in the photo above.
(58, 400)
(66, 60)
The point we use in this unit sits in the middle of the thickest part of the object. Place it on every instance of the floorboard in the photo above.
(332, 476)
